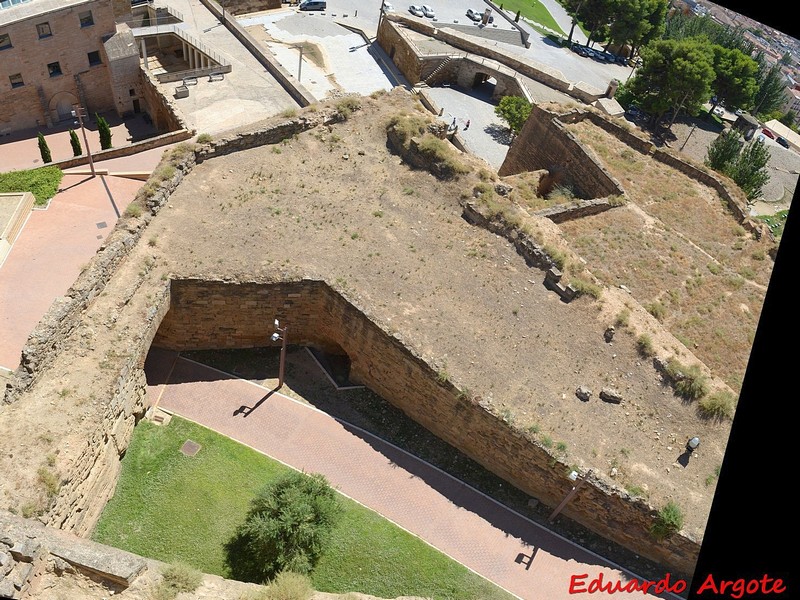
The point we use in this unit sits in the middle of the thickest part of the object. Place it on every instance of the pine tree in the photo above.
(44, 150)
(104, 129)
(75, 143)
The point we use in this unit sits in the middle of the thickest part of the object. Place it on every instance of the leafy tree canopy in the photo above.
(674, 75)
(286, 528)
(514, 110)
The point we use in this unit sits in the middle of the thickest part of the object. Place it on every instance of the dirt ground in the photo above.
(335, 203)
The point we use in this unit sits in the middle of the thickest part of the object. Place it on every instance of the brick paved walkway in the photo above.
(456, 519)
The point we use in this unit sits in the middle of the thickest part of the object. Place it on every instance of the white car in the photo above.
(416, 10)
(387, 7)
(428, 11)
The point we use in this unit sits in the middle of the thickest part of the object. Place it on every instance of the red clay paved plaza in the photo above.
(449, 515)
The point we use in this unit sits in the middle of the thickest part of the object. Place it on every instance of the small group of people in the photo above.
(455, 122)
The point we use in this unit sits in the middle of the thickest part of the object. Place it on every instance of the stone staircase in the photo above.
(444, 63)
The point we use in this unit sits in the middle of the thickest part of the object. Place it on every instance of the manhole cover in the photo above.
(190, 448)
(102, 225)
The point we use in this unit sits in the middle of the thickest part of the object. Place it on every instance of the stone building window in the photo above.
(5, 41)
(54, 69)
(43, 29)
(16, 80)
(94, 58)
(86, 18)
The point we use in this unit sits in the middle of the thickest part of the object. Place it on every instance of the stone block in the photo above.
(610, 395)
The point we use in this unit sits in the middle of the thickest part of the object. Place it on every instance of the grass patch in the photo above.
(42, 182)
(347, 106)
(204, 138)
(534, 11)
(175, 508)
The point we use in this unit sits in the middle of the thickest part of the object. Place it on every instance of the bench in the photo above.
(181, 91)
(216, 76)
(189, 81)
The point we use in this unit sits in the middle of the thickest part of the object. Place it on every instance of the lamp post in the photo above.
(280, 334)
(300, 63)
(573, 476)
(80, 112)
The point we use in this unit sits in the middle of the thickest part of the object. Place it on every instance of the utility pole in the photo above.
(80, 112)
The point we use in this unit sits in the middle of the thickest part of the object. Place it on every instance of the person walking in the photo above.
(467, 125)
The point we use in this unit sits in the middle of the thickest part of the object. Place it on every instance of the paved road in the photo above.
(501, 545)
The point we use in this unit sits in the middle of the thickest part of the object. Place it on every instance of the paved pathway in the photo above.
(50, 251)
(461, 522)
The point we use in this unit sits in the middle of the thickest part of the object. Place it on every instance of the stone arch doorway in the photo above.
(61, 106)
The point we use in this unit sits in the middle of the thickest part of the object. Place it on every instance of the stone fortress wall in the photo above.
(200, 314)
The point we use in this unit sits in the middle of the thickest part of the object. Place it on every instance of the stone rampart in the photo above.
(544, 143)
(217, 314)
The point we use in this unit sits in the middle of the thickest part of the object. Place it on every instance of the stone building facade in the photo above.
(53, 56)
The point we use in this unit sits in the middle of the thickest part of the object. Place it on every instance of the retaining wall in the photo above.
(216, 314)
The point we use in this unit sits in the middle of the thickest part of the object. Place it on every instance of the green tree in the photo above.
(286, 529)
(44, 149)
(771, 88)
(744, 163)
(75, 143)
(675, 75)
(749, 169)
(636, 22)
(514, 110)
(104, 129)
(724, 150)
(735, 77)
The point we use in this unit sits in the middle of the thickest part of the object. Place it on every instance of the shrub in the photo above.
(346, 107)
(669, 521)
(177, 578)
(689, 382)
(289, 113)
(77, 150)
(657, 310)
(623, 318)
(407, 127)
(644, 344)
(204, 138)
(286, 528)
(133, 210)
(289, 586)
(584, 286)
(44, 149)
(718, 405)
(104, 129)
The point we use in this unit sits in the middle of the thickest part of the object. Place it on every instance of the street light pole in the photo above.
(80, 112)
(300, 63)
(572, 492)
(280, 334)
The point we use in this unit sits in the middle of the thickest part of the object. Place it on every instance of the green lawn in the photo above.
(42, 182)
(175, 508)
(534, 11)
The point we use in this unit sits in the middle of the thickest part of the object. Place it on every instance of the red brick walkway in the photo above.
(461, 522)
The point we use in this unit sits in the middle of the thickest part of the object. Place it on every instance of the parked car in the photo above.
(387, 7)
(768, 133)
(474, 15)
(580, 50)
(313, 5)
(416, 10)
(428, 11)
(782, 141)
(719, 111)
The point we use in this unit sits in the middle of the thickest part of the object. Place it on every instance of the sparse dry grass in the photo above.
(655, 248)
